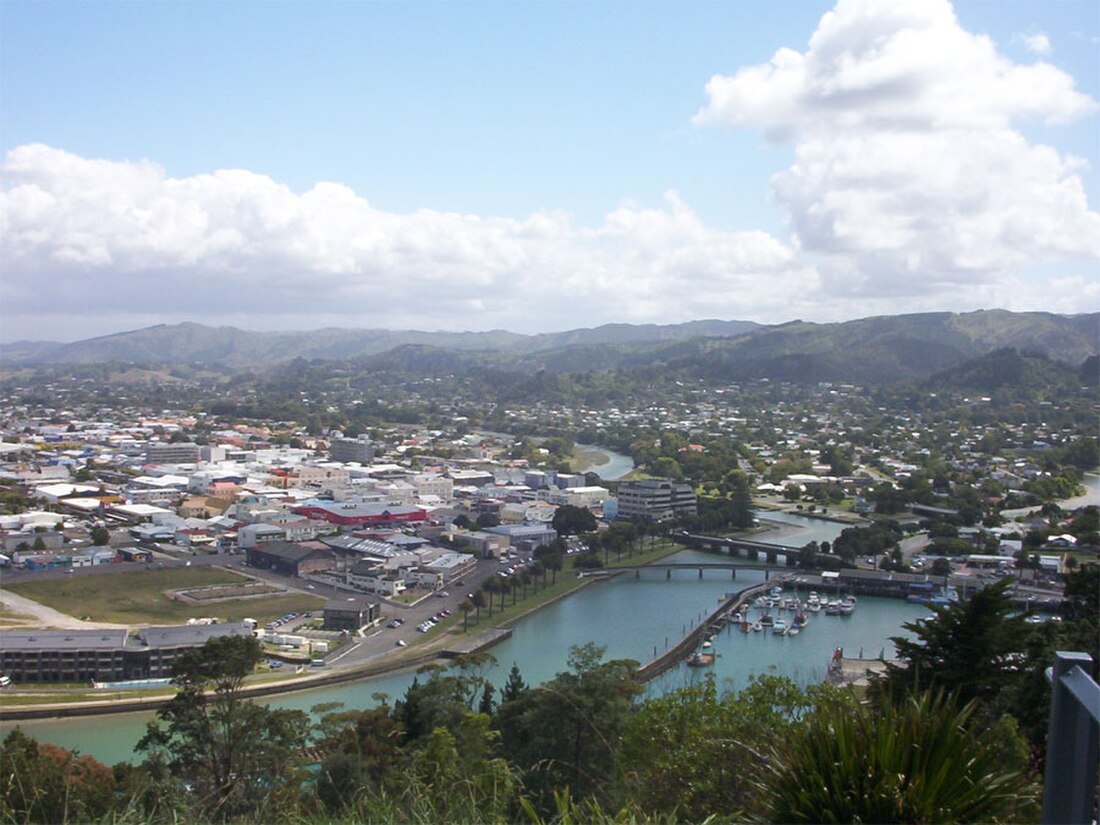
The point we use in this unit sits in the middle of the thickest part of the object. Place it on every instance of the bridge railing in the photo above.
(1069, 786)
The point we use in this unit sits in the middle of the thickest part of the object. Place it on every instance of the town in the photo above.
(327, 533)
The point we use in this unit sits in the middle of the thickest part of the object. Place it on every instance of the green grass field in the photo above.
(138, 597)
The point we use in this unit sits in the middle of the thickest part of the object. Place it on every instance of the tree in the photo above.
(224, 747)
(692, 753)
(966, 648)
(514, 687)
(925, 761)
(466, 606)
(567, 732)
(39, 545)
(100, 536)
(941, 567)
(487, 520)
(462, 521)
(46, 783)
(570, 520)
(477, 599)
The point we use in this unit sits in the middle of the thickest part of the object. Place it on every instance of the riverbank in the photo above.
(440, 649)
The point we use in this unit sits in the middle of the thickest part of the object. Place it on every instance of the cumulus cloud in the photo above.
(909, 176)
(124, 239)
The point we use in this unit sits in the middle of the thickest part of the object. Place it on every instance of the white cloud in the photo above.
(1035, 43)
(104, 239)
(909, 178)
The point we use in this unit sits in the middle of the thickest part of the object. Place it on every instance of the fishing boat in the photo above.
(847, 606)
(832, 609)
(702, 657)
(800, 620)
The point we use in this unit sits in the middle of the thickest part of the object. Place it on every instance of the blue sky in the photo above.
(534, 166)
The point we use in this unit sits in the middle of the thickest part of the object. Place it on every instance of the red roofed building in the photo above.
(358, 514)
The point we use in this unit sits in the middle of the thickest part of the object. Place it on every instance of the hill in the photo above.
(237, 348)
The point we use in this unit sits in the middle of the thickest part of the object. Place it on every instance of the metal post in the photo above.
(1070, 781)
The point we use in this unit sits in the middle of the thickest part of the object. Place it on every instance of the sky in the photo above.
(542, 166)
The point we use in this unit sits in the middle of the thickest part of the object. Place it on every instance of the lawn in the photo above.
(137, 597)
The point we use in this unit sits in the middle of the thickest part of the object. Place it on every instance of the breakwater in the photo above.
(682, 649)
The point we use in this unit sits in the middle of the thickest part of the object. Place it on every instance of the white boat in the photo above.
(793, 631)
(757, 626)
(779, 627)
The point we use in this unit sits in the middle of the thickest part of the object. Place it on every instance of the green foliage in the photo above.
(854, 542)
(967, 648)
(47, 783)
(923, 761)
(571, 521)
(100, 536)
(567, 731)
(693, 753)
(225, 749)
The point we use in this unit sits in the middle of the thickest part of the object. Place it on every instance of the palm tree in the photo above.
(489, 588)
(477, 599)
(466, 606)
(554, 562)
(524, 580)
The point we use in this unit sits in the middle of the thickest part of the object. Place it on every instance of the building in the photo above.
(654, 499)
(102, 655)
(181, 453)
(360, 514)
(373, 577)
(345, 450)
(291, 559)
(349, 613)
(525, 536)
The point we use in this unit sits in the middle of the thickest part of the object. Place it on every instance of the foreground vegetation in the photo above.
(951, 737)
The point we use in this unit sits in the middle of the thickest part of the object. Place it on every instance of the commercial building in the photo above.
(351, 449)
(360, 514)
(291, 559)
(525, 536)
(349, 613)
(181, 453)
(654, 499)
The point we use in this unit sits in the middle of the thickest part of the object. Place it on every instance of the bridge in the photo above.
(737, 546)
(669, 567)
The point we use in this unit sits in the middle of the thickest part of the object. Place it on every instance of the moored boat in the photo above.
(702, 657)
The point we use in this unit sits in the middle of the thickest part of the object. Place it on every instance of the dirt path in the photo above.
(31, 614)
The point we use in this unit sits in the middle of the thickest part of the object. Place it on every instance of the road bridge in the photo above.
(740, 547)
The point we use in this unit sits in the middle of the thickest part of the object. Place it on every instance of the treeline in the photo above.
(953, 733)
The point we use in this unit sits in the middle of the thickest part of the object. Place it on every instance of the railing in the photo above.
(1069, 786)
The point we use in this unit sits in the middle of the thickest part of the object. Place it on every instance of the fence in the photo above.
(1069, 787)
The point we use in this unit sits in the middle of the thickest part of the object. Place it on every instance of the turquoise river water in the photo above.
(632, 617)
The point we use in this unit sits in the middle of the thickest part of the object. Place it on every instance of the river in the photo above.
(616, 466)
(632, 617)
